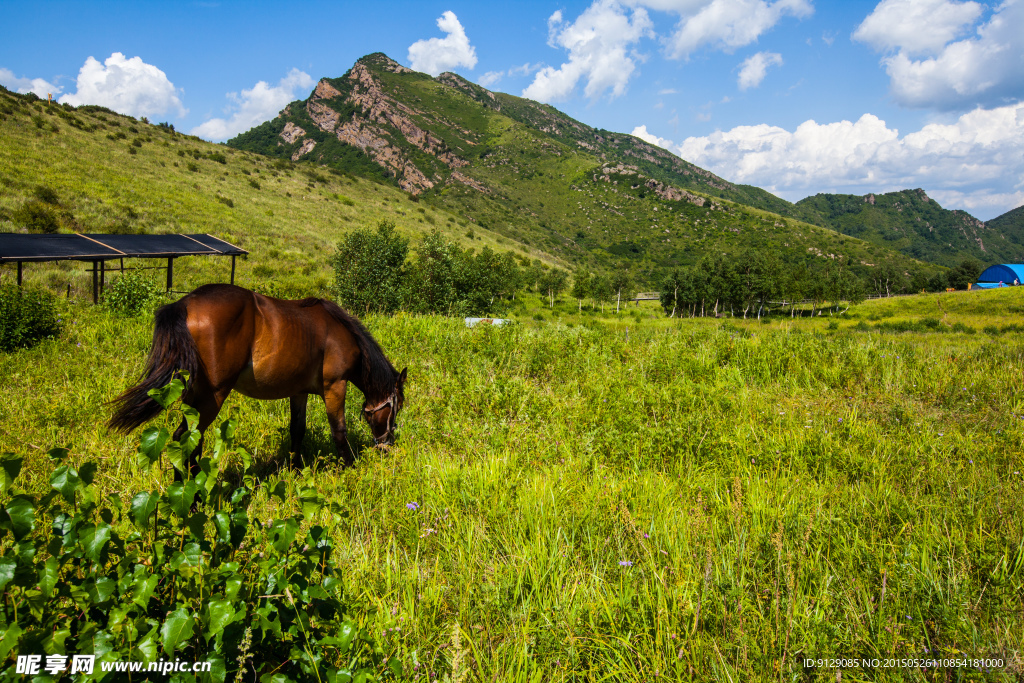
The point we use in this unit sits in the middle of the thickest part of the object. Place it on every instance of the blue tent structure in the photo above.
(1002, 275)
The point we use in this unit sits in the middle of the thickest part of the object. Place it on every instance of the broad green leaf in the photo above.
(180, 496)
(151, 444)
(312, 502)
(93, 539)
(232, 586)
(219, 615)
(9, 639)
(146, 648)
(21, 513)
(57, 454)
(48, 575)
(65, 481)
(282, 533)
(239, 525)
(143, 506)
(10, 466)
(346, 634)
(7, 567)
(100, 590)
(87, 471)
(196, 523)
(193, 554)
(177, 629)
(280, 490)
(218, 672)
(166, 395)
(222, 522)
(143, 589)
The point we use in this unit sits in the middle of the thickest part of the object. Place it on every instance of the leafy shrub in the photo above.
(226, 202)
(27, 316)
(253, 183)
(179, 572)
(37, 217)
(218, 157)
(192, 167)
(369, 269)
(46, 194)
(131, 294)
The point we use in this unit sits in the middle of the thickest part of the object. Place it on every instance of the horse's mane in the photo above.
(378, 372)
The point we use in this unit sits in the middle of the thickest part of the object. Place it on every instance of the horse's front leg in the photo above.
(297, 427)
(334, 400)
(208, 405)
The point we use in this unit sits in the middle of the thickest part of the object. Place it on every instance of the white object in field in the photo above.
(497, 322)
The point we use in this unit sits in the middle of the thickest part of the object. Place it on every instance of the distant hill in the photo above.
(1010, 224)
(533, 174)
(912, 223)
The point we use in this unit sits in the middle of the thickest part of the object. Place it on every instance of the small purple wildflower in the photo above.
(625, 563)
(840, 420)
(414, 506)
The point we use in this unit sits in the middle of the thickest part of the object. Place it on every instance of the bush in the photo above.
(177, 572)
(27, 316)
(37, 217)
(369, 269)
(131, 294)
(46, 194)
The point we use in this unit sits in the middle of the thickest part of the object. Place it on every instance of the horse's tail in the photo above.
(173, 350)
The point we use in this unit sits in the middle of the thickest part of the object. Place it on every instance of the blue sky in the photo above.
(796, 96)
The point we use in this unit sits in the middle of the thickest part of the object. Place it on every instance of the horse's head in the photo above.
(383, 416)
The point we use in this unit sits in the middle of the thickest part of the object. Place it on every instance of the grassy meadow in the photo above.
(688, 500)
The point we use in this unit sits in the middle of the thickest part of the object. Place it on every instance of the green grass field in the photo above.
(692, 500)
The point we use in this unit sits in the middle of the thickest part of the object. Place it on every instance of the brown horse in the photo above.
(227, 338)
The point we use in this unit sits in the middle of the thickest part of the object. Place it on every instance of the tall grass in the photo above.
(691, 501)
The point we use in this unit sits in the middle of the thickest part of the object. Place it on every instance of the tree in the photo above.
(600, 290)
(369, 269)
(432, 275)
(964, 274)
(581, 285)
(622, 283)
(553, 282)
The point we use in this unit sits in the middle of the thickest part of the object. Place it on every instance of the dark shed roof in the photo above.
(1004, 272)
(77, 247)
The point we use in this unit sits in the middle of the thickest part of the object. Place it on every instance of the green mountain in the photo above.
(915, 225)
(1010, 223)
(536, 176)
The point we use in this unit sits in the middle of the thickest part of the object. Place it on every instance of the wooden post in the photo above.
(170, 273)
(232, 270)
(103, 275)
(19, 273)
(95, 282)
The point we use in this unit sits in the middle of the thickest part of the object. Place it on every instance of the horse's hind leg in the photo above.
(334, 400)
(207, 404)
(297, 427)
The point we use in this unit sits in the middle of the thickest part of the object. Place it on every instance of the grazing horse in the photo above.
(227, 337)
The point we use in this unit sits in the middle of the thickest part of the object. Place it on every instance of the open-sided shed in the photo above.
(1001, 275)
(20, 248)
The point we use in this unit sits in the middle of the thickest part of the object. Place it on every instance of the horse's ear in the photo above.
(401, 376)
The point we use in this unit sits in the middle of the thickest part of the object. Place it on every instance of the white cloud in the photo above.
(977, 160)
(26, 85)
(128, 86)
(984, 70)
(724, 24)
(598, 42)
(443, 54)
(490, 78)
(260, 103)
(755, 67)
(916, 26)
(641, 132)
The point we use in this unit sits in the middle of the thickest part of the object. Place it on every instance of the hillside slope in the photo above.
(535, 175)
(88, 169)
(914, 224)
